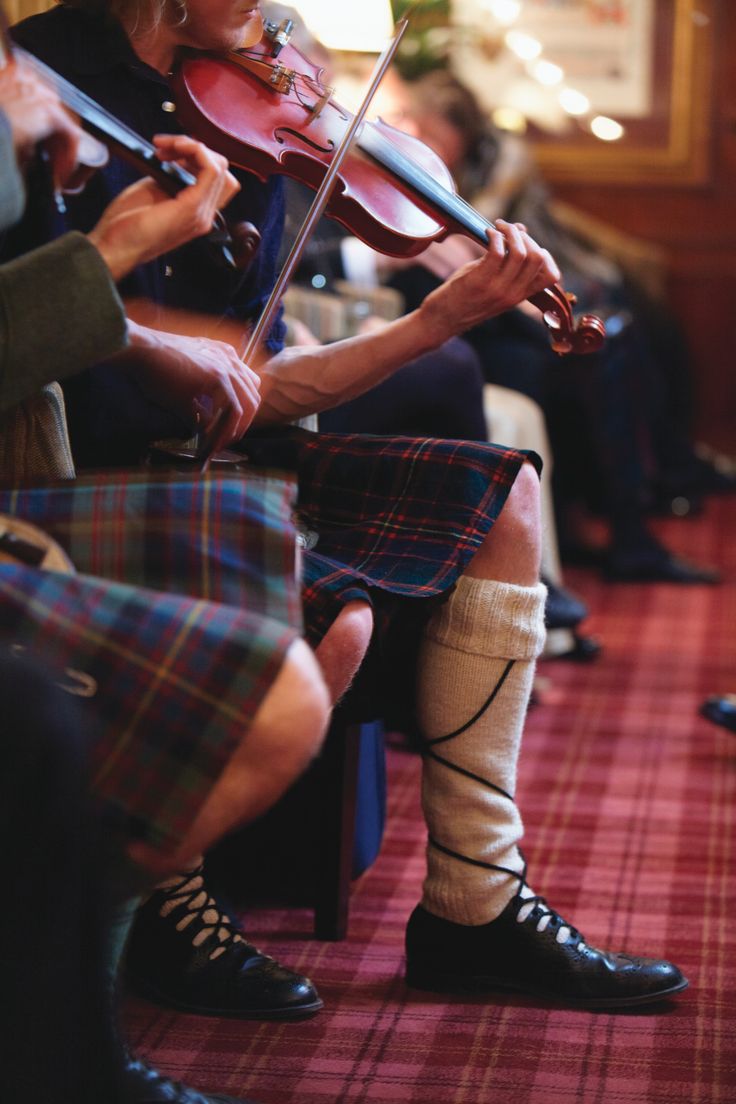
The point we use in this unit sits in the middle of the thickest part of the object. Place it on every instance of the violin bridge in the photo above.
(319, 106)
(324, 92)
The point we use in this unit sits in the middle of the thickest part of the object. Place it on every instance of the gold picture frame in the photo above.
(671, 145)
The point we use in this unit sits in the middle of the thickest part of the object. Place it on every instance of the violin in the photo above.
(103, 133)
(266, 108)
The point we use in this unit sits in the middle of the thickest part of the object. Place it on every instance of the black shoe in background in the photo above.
(721, 710)
(651, 563)
(562, 609)
(584, 649)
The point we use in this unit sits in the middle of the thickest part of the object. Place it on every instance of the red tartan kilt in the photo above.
(174, 677)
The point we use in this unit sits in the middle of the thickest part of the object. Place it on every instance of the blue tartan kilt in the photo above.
(391, 521)
(387, 518)
(172, 632)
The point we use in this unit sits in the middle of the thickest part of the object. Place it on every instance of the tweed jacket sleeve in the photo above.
(59, 313)
(59, 308)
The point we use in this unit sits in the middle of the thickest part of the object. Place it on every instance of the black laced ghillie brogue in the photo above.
(141, 1084)
(530, 949)
(185, 953)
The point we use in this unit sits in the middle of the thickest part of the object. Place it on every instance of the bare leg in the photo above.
(183, 950)
(286, 732)
(342, 648)
(512, 551)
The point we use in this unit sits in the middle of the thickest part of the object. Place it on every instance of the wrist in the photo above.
(119, 261)
(435, 324)
(141, 348)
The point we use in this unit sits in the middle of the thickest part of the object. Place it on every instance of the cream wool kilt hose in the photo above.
(475, 674)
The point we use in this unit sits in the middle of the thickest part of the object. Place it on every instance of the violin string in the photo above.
(405, 168)
(312, 83)
(451, 203)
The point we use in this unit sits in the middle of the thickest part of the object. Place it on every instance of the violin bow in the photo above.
(322, 196)
(204, 450)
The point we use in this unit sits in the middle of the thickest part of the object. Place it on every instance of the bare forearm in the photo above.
(307, 381)
(310, 379)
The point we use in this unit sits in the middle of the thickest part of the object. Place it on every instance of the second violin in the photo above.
(234, 246)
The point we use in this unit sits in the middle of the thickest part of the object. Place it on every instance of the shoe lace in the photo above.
(202, 911)
(535, 908)
(533, 905)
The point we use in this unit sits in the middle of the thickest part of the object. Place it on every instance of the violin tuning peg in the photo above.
(246, 241)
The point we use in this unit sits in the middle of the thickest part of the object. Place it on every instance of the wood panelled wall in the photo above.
(696, 228)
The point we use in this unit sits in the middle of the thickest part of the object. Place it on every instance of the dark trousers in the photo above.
(58, 1041)
(439, 394)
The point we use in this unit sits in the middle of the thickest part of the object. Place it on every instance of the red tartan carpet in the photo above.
(629, 800)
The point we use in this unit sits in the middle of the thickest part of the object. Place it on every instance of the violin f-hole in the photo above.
(329, 146)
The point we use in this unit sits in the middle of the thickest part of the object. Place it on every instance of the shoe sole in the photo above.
(451, 983)
(149, 992)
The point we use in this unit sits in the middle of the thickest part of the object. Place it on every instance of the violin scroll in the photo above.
(589, 335)
(586, 335)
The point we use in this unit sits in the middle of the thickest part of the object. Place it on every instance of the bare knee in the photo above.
(512, 550)
(289, 726)
(285, 734)
(342, 649)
